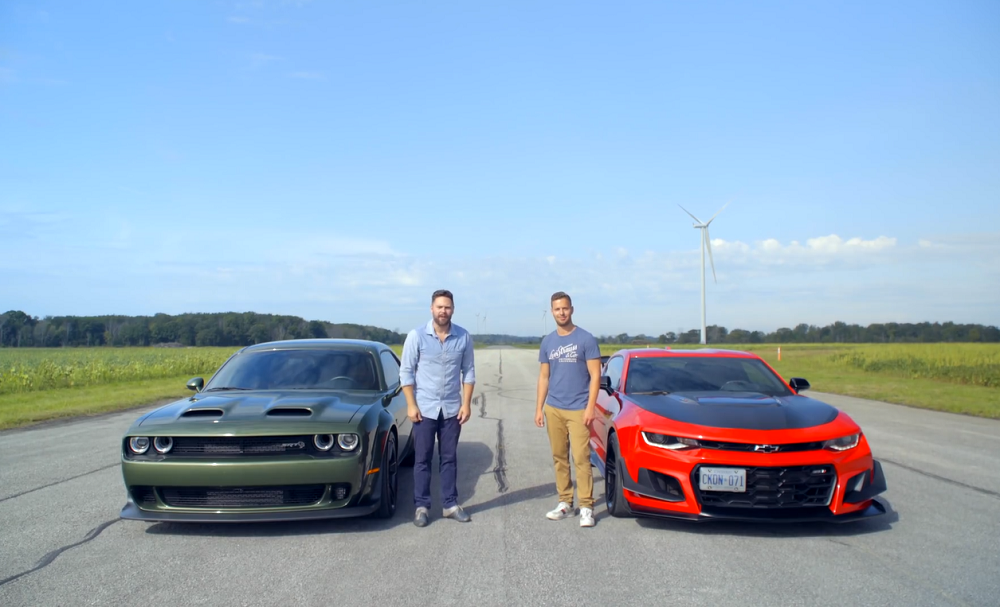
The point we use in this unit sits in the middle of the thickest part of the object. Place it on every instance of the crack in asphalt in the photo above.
(500, 467)
(46, 560)
(59, 482)
(941, 478)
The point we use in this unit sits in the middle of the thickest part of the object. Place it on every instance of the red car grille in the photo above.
(788, 487)
(785, 448)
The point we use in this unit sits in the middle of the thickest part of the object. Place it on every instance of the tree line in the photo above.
(838, 332)
(19, 330)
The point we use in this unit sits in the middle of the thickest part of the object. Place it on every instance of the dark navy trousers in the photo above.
(446, 432)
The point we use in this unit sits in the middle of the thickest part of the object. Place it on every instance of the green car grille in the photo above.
(243, 446)
(241, 497)
(237, 497)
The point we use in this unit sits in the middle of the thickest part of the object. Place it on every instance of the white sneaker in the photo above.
(586, 517)
(561, 511)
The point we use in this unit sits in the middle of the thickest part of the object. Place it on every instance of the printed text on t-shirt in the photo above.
(566, 354)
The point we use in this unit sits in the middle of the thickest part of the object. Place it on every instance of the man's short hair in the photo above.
(443, 293)
(560, 295)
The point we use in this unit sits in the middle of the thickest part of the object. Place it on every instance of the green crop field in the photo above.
(41, 384)
(35, 369)
(960, 378)
(38, 384)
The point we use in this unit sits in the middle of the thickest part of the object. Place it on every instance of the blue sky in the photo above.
(341, 160)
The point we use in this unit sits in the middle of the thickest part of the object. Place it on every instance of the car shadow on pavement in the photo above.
(475, 459)
(779, 530)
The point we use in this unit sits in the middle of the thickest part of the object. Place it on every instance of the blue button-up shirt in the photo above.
(437, 369)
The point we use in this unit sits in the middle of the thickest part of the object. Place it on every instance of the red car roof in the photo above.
(667, 352)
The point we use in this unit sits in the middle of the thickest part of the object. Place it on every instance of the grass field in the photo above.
(43, 384)
(38, 384)
(960, 378)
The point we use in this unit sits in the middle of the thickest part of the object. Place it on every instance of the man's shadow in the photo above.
(475, 461)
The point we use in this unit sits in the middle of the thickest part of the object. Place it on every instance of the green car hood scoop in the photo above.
(259, 407)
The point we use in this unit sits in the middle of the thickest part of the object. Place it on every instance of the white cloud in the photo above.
(238, 19)
(821, 250)
(353, 278)
(836, 244)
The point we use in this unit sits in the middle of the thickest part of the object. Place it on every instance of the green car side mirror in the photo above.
(391, 395)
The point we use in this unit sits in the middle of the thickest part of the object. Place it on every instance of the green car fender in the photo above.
(376, 426)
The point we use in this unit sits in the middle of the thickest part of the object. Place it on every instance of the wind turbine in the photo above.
(545, 322)
(477, 323)
(706, 243)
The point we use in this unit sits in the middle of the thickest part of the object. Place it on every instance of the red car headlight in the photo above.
(664, 441)
(843, 443)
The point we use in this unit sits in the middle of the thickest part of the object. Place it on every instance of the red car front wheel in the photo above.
(613, 470)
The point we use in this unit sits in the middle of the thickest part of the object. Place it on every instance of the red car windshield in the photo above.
(653, 375)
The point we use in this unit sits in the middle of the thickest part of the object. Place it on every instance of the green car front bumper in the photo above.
(250, 490)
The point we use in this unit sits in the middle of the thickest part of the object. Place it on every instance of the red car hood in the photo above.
(739, 410)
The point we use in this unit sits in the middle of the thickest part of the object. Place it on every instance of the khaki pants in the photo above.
(566, 432)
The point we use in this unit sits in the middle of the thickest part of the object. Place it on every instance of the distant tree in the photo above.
(715, 334)
(690, 337)
(738, 336)
(316, 329)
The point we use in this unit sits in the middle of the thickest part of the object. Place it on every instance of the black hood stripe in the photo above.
(743, 411)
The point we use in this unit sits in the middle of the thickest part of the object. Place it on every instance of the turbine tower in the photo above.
(706, 243)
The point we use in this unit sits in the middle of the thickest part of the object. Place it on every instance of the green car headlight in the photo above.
(348, 442)
(138, 444)
(323, 442)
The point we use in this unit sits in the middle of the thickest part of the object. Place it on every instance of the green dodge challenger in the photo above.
(288, 430)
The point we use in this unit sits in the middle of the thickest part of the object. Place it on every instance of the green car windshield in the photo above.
(669, 374)
(306, 369)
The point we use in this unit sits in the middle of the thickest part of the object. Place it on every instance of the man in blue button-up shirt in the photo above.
(437, 373)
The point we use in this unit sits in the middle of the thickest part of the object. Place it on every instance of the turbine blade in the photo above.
(689, 213)
(717, 213)
(708, 245)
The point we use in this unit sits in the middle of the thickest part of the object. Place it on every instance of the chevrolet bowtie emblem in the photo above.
(766, 448)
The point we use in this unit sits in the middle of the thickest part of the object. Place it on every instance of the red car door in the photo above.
(608, 406)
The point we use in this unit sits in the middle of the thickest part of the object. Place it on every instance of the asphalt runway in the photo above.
(62, 542)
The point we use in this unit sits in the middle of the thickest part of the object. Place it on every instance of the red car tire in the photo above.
(614, 493)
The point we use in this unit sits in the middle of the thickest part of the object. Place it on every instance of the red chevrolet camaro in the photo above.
(718, 434)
